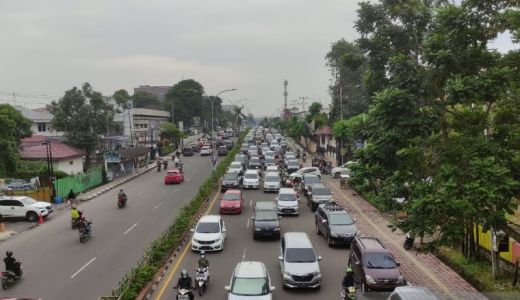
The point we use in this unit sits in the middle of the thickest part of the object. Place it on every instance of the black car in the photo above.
(222, 151)
(307, 180)
(254, 163)
(230, 181)
(229, 144)
(187, 151)
(335, 224)
(266, 222)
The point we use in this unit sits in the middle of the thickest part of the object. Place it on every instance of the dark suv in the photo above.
(231, 181)
(373, 265)
(318, 193)
(266, 221)
(335, 224)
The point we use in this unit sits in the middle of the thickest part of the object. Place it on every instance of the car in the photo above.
(188, 151)
(231, 202)
(298, 261)
(292, 166)
(231, 180)
(306, 170)
(269, 161)
(287, 202)
(173, 176)
(336, 225)
(229, 144)
(271, 182)
(318, 193)
(222, 151)
(266, 222)
(241, 158)
(236, 167)
(373, 265)
(343, 169)
(250, 280)
(206, 150)
(254, 163)
(307, 180)
(251, 180)
(209, 234)
(24, 207)
(412, 293)
(269, 169)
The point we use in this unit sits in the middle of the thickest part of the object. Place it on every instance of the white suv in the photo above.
(251, 180)
(23, 207)
(250, 280)
(287, 202)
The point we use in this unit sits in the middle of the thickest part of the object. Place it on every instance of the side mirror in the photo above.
(252, 218)
(227, 287)
(280, 258)
(320, 258)
(272, 288)
(332, 193)
(192, 230)
(276, 198)
(357, 263)
(398, 264)
(355, 220)
(279, 217)
(323, 221)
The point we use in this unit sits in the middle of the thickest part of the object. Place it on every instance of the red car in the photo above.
(173, 176)
(231, 202)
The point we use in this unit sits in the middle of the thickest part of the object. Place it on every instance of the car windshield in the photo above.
(321, 191)
(293, 166)
(230, 176)
(272, 179)
(236, 165)
(300, 255)
(254, 160)
(340, 219)
(311, 179)
(266, 215)
(208, 227)
(250, 286)
(269, 160)
(287, 197)
(172, 173)
(229, 196)
(251, 176)
(27, 201)
(379, 261)
(239, 158)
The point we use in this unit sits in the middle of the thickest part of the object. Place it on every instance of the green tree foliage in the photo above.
(143, 99)
(187, 100)
(83, 114)
(122, 99)
(170, 131)
(14, 128)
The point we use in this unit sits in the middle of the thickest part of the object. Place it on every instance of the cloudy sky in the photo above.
(251, 45)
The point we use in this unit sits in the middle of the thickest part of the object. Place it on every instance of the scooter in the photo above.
(85, 232)
(201, 279)
(408, 241)
(159, 168)
(348, 293)
(183, 294)
(8, 278)
(121, 201)
(74, 223)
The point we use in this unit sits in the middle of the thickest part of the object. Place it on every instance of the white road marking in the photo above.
(188, 179)
(248, 223)
(251, 203)
(128, 230)
(81, 269)
(157, 206)
(244, 254)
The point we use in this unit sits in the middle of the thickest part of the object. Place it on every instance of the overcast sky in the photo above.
(50, 46)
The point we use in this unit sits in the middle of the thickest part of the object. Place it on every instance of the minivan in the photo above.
(250, 280)
(298, 261)
(251, 180)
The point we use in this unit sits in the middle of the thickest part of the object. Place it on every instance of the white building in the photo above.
(142, 125)
(40, 121)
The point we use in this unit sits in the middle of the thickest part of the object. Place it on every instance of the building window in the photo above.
(42, 127)
(71, 162)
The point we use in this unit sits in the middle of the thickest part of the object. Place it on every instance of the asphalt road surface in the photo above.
(239, 245)
(56, 266)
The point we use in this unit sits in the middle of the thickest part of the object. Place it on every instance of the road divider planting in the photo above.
(168, 242)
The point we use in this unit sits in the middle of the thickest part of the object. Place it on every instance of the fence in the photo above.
(514, 247)
(79, 182)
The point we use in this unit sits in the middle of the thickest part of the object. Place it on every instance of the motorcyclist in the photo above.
(122, 195)
(158, 165)
(203, 260)
(348, 280)
(304, 157)
(185, 282)
(11, 264)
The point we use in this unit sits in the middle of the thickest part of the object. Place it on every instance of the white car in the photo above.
(271, 182)
(24, 207)
(287, 202)
(250, 280)
(235, 167)
(206, 150)
(251, 179)
(306, 170)
(269, 169)
(209, 234)
(343, 169)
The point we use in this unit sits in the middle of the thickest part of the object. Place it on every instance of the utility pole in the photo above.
(304, 101)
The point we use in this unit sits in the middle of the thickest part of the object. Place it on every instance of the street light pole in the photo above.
(212, 121)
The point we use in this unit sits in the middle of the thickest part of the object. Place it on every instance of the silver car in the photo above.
(271, 182)
(287, 202)
(250, 280)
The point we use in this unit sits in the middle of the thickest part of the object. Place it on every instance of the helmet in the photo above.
(121, 190)
(184, 273)
(8, 253)
(73, 207)
(349, 270)
(202, 253)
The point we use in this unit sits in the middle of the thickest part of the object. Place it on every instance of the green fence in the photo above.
(79, 182)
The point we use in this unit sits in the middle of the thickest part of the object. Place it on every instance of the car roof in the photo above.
(5, 197)
(237, 192)
(209, 219)
(297, 240)
(414, 292)
(286, 191)
(265, 206)
(271, 174)
(310, 175)
(173, 171)
(252, 172)
(370, 244)
(319, 186)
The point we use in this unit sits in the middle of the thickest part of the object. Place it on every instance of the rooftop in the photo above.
(33, 148)
(250, 269)
(35, 115)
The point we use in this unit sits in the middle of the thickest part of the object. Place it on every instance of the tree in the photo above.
(170, 131)
(122, 99)
(14, 128)
(142, 99)
(187, 100)
(83, 114)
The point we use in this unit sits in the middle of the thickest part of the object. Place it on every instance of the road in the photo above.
(56, 266)
(240, 246)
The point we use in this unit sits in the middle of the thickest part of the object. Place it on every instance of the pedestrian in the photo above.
(72, 198)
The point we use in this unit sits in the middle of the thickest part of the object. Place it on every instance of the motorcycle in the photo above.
(348, 293)
(179, 165)
(8, 278)
(201, 279)
(85, 232)
(304, 158)
(121, 201)
(158, 167)
(408, 241)
(183, 294)
(74, 223)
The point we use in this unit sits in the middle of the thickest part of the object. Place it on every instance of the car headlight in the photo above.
(400, 280)
(276, 229)
(369, 279)
(317, 274)
(287, 276)
(258, 229)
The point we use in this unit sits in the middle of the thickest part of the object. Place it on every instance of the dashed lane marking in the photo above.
(82, 268)
(131, 227)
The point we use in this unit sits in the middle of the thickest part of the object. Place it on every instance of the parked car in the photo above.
(187, 151)
(23, 207)
(266, 222)
(230, 180)
(209, 234)
(271, 182)
(373, 265)
(343, 169)
(318, 193)
(298, 261)
(412, 293)
(173, 176)
(206, 150)
(306, 170)
(336, 225)
(251, 180)
(222, 151)
(231, 202)
(287, 202)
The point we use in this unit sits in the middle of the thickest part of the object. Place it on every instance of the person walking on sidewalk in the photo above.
(72, 198)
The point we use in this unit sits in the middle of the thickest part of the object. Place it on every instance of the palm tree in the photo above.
(238, 115)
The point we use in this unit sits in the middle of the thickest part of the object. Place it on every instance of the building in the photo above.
(142, 126)
(158, 91)
(40, 120)
(65, 158)
(228, 108)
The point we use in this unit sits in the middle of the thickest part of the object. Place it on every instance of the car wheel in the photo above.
(364, 288)
(317, 229)
(329, 240)
(32, 216)
(336, 175)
